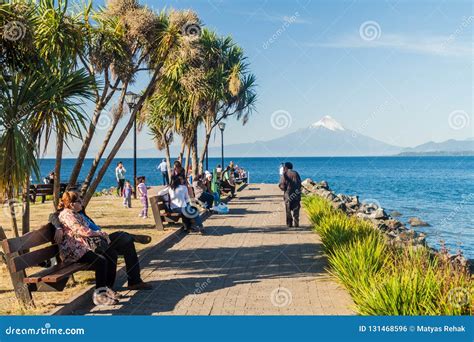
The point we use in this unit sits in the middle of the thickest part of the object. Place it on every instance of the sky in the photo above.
(398, 71)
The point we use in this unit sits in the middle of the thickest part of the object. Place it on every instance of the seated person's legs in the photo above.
(123, 244)
(99, 264)
(207, 198)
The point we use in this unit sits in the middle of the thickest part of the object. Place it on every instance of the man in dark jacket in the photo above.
(290, 183)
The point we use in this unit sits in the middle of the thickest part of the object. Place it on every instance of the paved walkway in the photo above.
(248, 263)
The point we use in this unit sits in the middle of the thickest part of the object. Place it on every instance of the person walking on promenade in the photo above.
(163, 167)
(290, 183)
(120, 175)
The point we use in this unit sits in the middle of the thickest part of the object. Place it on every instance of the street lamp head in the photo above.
(221, 126)
(131, 99)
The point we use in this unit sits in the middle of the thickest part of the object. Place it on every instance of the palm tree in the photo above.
(231, 86)
(42, 93)
(156, 48)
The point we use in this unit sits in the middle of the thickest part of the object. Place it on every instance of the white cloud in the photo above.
(433, 45)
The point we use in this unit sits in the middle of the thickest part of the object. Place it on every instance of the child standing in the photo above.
(142, 192)
(127, 195)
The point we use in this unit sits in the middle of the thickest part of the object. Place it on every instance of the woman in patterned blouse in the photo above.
(76, 248)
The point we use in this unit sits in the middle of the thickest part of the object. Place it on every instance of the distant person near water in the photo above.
(290, 183)
(120, 176)
(280, 171)
(163, 167)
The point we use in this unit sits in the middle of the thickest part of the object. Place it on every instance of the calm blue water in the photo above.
(439, 190)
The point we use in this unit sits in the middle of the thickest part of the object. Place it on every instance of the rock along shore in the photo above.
(398, 234)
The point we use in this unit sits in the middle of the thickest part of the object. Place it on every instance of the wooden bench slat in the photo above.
(21, 262)
(55, 273)
(32, 239)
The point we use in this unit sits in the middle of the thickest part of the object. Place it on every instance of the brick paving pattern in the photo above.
(247, 263)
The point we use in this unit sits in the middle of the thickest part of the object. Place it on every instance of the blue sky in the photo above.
(398, 71)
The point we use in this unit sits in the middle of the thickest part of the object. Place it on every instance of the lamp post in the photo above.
(222, 127)
(132, 100)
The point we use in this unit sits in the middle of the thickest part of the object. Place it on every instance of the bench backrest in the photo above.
(162, 203)
(39, 237)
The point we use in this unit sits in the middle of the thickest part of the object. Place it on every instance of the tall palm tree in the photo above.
(231, 87)
(154, 48)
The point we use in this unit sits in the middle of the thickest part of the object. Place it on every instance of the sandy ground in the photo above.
(109, 213)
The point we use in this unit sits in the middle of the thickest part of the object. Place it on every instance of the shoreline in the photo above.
(396, 231)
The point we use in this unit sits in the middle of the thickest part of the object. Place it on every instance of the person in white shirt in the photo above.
(180, 203)
(163, 167)
(281, 169)
(120, 175)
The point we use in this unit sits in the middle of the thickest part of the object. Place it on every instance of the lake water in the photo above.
(439, 190)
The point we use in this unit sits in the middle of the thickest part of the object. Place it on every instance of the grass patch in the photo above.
(383, 279)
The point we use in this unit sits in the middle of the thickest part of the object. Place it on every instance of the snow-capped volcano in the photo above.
(326, 137)
(329, 123)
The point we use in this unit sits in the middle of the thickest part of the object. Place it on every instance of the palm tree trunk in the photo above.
(186, 165)
(105, 143)
(181, 152)
(168, 159)
(11, 205)
(194, 155)
(25, 222)
(57, 169)
(204, 149)
(85, 145)
(95, 183)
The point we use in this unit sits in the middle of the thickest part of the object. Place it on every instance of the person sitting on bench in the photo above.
(81, 240)
(228, 181)
(202, 191)
(180, 203)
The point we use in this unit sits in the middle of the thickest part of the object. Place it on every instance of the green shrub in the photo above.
(316, 208)
(358, 263)
(383, 279)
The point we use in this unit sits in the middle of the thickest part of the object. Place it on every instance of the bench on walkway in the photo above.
(160, 213)
(44, 190)
(19, 258)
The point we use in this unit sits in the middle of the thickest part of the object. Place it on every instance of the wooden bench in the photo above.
(160, 213)
(19, 259)
(44, 190)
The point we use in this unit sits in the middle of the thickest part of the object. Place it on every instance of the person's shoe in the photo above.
(140, 215)
(100, 297)
(140, 286)
(143, 239)
(113, 294)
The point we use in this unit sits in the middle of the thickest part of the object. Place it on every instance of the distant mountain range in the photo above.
(327, 137)
(448, 147)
